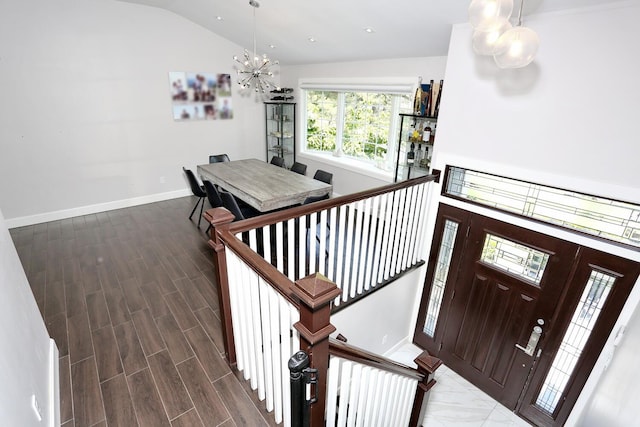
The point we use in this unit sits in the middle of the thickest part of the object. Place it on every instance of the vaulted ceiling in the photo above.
(400, 28)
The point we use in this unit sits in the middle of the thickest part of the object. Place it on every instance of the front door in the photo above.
(491, 308)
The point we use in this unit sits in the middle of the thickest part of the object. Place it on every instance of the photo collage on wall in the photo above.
(200, 96)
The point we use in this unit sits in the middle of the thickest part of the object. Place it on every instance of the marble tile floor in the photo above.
(454, 401)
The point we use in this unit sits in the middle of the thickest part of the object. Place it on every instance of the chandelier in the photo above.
(255, 72)
(511, 46)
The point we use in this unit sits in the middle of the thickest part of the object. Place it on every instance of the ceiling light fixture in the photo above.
(511, 47)
(255, 72)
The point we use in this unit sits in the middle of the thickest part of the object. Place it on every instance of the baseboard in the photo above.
(54, 384)
(91, 209)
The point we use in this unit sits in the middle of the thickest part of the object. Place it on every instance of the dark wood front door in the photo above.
(499, 289)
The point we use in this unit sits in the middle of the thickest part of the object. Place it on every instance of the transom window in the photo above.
(597, 216)
(359, 124)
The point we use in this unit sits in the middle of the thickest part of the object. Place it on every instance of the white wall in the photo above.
(29, 360)
(387, 312)
(568, 120)
(85, 111)
(347, 178)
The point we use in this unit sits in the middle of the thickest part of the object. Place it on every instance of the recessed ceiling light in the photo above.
(312, 39)
(369, 30)
(219, 18)
(272, 46)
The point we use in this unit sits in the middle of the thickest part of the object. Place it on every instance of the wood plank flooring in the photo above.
(129, 297)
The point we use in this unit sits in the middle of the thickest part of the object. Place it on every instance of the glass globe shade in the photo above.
(484, 42)
(516, 48)
(480, 12)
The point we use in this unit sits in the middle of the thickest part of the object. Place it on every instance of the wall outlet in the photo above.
(36, 407)
(162, 180)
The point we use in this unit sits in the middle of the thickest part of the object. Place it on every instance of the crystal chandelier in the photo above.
(255, 72)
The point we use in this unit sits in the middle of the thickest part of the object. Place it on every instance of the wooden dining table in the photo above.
(262, 185)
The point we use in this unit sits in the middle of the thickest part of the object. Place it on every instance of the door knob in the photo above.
(533, 341)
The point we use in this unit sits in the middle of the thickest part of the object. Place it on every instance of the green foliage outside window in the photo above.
(368, 117)
(322, 108)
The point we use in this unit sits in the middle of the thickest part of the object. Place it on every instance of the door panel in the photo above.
(509, 298)
(493, 309)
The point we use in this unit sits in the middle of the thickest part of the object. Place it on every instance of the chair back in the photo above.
(229, 202)
(193, 183)
(323, 176)
(312, 199)
(278, 161)
(300, 168)
(219, 158)
(212, 194)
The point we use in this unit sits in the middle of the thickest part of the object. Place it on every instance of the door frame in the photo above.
(561, 320)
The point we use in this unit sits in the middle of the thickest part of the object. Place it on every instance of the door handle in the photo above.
(533, 341)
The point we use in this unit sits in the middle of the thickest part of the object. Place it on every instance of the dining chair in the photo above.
(214, 197)
(300, 168)
(313, 199)
(230, 202)
(278, 161)
(197, 191)
(323, 176)
(219, 158)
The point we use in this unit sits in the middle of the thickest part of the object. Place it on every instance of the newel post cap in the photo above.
(315, 290)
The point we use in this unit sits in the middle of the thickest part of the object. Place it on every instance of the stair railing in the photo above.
(274, 296)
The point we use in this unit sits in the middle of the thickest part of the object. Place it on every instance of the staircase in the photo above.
(280, 277)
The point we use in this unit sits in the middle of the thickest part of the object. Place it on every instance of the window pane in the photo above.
(514, 258)
(440, 277)
(593, 298)
(366, 124)
(598, 216)
(322, 110)
(361, 125)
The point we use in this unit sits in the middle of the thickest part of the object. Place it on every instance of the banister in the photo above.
(279, 281)
(364, 357)
(298, 211)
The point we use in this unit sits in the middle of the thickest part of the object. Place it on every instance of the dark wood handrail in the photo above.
(355, 354)
(298, 211)
(268, 272)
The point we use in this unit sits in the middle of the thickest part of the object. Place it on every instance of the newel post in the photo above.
(315, 293)
(427, 366)
(218, 217)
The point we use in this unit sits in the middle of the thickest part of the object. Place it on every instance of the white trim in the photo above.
(54, 385)
(351, 165)
(91, 209)
(398, 85)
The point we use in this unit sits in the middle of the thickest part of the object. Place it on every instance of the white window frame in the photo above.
(397, 86)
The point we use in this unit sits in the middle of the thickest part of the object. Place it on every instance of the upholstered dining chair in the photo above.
(323, 176)
(197, 191)
(312, 199)
(230, 202)
(300, 168)
(278, 161)
(213, 196)
(219, 158)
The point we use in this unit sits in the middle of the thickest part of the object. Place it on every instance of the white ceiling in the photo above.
(402, 28)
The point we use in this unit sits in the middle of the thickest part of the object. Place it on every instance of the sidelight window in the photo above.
(593, 298)
(440, 277)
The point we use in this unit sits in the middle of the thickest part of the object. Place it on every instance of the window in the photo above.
(522, 261)
(598, 216)
(358, 124)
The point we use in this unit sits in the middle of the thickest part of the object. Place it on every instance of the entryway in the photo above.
(521, 315)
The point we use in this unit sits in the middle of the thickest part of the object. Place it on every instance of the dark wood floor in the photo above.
(129, 297)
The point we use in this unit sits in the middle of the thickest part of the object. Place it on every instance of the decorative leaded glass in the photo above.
(517, 259)
(440, 276)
